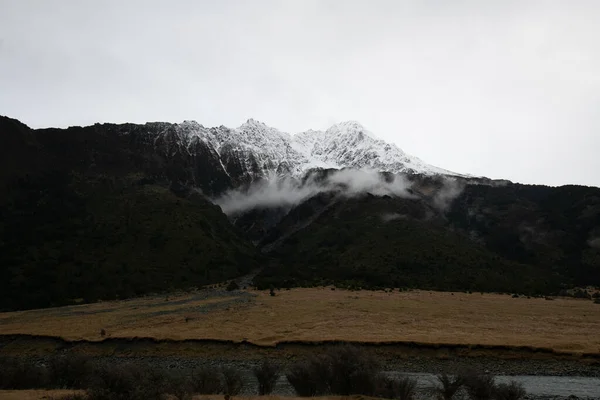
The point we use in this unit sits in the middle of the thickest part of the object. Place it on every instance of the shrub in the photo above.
(310, 378)
(206, 381)
(69, 371)
(266, 374)
(180, 387)
(597, 301)
(343, 370)
(448, 386)
(479, 386)
(384, 387)
(232, 286)
(233, 383)
(19, 374)
(71, 396)
(509, 391)
(129, 382)
(352, 371)
(403, 388)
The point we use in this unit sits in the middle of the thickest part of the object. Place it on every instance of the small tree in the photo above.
(448, 386)
(479, 386)
(206, 381)
(233, 382)
(266, 374)
(310, 378)
(342, 370)
(402, 388)
(509, 391)
(232, 286)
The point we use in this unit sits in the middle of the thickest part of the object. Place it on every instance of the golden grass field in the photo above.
(564, 324)
(34, 394)
(56, 394)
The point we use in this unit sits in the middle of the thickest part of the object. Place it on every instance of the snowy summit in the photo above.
(259, 150)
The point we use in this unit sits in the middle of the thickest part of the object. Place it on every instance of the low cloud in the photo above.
(444, 197)
(287, 192)
(277, 191)
(595, 243)
(387, 217)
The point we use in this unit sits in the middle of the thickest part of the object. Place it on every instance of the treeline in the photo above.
(343, 370)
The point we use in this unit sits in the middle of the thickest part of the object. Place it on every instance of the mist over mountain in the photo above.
(114, 211)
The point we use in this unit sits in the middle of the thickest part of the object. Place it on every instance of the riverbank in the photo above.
(407, 357)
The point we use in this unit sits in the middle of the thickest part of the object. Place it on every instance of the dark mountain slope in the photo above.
(389, 242)
(485, 236)
(89, 213)
(552, 227)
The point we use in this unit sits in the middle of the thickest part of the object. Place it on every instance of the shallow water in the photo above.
(536, 386)
(542, 386)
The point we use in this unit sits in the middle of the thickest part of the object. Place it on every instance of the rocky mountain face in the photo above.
(112, 211)
(220, 158)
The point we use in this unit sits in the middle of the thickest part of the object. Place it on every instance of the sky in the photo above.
(503, 89)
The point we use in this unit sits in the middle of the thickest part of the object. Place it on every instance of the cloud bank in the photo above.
(287, 192)
(276, 191)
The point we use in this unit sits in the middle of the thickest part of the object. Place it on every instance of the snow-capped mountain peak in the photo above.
(256, 150)
(350, 128)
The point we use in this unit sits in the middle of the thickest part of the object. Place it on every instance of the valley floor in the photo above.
(563, 325)
(56, 394)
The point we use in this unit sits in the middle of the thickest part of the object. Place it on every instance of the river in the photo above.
(539, 387)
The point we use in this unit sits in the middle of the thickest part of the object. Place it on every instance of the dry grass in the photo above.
(35, 394)
(564, 324)
(56, 394)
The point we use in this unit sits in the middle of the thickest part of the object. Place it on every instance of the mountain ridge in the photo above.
(257, 150)
(119, 210)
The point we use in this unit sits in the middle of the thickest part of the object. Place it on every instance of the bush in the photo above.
(479, 386)
(448, 386)
(352, 371)
(232, 286)
(301, 379)
(206, 381)
(233, 383)
(69, 371)
(180, 387)
(310, 378)
(342, 370)
(597, 301)
(384, 387)
(19, 374)
(579, 293)
(403, 388)
(71, 396)
(509, 391)
(127, 382)
(266, 374)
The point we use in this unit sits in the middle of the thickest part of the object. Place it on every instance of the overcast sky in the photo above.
(505, 89)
